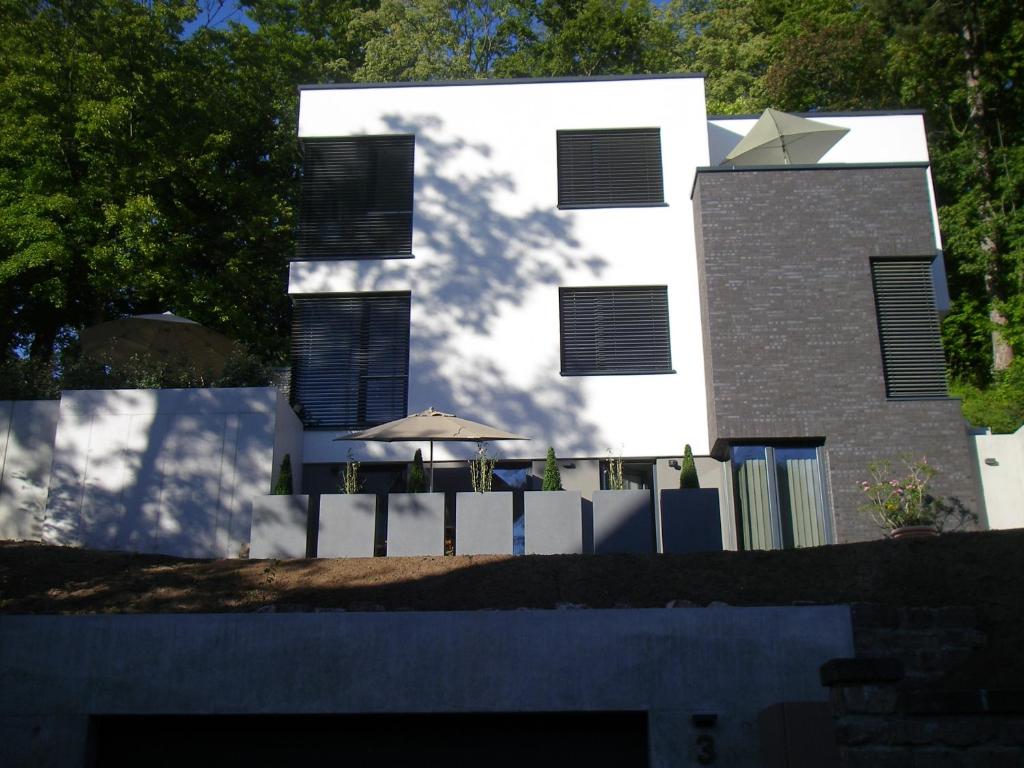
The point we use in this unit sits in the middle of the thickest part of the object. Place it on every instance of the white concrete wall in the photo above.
(669, 664)
(171, 471)
(491, 250)
(1002, 482)
(27, 429)
(872, 138)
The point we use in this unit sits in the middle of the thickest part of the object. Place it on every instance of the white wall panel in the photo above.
(27, 429)
(170, 471)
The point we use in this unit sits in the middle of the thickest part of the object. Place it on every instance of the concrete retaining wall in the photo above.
(27, 429)
(669, 663)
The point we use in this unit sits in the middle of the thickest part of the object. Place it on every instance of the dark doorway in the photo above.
(536, 740)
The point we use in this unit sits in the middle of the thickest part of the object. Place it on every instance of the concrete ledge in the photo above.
(732, 662)
(839, 672)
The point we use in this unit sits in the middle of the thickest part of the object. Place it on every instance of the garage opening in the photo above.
(523, 740)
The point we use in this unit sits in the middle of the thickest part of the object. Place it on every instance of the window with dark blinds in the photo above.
(908, 326)
(610, 168)
(350, 358)
(356, 198)
(618, 330)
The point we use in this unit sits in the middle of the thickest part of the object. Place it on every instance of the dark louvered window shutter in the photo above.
(610, 168)
(908, 326)
(350, 358)
(356, 198)
(615, 330)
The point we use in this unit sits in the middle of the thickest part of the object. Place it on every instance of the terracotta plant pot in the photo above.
(915, 532)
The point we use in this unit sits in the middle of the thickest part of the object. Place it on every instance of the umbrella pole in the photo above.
(431, 466)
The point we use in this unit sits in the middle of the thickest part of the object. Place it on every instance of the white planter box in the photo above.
(553, 522)
(415, 524)
(347, 524)
(483, 523)
(280, 527)
(623, 522)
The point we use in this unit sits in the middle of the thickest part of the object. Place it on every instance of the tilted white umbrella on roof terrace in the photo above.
(433, 426)
(779, 138)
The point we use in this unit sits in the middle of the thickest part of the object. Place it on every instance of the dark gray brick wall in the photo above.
(790, 332)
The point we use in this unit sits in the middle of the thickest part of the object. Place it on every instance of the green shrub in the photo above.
(688, 473)
(615, 479)
(481, 470)
(1000, 406)
(350, 482)
(25, 379)
(552, 474)
(244, 369)
(283, 486)
(417, 482)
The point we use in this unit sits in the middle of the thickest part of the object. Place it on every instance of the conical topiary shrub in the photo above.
(552, 474)
(417, 481)
(283, 486)
(688, 473)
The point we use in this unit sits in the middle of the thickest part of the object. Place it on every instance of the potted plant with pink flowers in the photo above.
(899, 501)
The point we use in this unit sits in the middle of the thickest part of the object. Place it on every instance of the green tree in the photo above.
(283, 486)
(961, 62)
(552, 474)
(141, 170)
(417, 481)
(688, 472)
(441, 39)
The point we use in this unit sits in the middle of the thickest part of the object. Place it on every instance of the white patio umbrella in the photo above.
(433, 426)
(160, 335)
(779, 138)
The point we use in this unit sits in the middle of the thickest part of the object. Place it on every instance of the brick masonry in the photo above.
(892, 706)
(791, 341)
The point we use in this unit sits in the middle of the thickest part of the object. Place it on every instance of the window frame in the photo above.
(325, 192)
(567, 368)
(579, 183)
(910, 340)
(355, 375)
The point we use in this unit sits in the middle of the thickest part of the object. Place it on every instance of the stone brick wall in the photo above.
(790, 330)
(891, 708)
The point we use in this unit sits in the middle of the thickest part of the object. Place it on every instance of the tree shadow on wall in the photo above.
(480, 259)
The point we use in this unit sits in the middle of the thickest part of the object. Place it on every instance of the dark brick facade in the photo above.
(791, 347)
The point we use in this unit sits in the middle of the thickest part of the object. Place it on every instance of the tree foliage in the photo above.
(688, 472)
(142, 169)
(552, 474)
(148, 160)
(417, 481)
(283, 486)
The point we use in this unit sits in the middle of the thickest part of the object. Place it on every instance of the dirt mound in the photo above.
(979, 569)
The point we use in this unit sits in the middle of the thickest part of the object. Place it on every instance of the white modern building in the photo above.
(546, 256)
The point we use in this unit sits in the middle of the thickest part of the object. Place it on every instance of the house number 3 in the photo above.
(705, 749)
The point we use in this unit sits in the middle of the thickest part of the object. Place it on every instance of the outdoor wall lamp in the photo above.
(992, 462)
(674, 464)
(569, 465)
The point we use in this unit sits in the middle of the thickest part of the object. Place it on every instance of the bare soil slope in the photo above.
(985, 570)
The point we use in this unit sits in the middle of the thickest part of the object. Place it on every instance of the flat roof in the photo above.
(851, 113)
(498, 81)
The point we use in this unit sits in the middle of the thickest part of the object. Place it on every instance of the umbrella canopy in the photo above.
(778, 138)
(433, 426)
(160, 335)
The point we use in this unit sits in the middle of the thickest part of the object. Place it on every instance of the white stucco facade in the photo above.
(491, 249)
